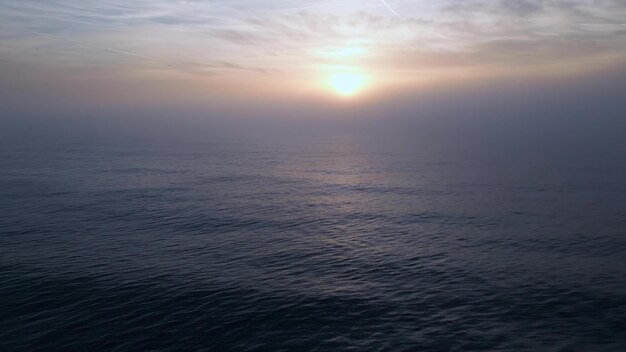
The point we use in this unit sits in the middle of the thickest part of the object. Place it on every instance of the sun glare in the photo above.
(347, 84)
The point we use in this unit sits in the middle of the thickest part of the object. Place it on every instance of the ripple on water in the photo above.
(280, 251)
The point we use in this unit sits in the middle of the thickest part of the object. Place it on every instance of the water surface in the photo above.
(327, 244)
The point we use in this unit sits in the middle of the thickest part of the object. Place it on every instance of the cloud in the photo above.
(199, 37)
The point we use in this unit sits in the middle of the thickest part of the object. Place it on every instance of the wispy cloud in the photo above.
(218, 37)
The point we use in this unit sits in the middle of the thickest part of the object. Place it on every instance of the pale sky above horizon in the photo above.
(286, 47)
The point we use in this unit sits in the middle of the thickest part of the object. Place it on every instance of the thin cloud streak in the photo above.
(390, 9)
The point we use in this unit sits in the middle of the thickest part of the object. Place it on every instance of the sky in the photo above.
(283, 56)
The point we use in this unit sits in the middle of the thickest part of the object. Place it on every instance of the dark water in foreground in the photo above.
(321, 246)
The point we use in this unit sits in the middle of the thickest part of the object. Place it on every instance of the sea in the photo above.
(312, 241)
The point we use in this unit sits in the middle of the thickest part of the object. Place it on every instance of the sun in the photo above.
(347, 84)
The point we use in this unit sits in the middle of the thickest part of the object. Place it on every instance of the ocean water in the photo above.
(326, 244)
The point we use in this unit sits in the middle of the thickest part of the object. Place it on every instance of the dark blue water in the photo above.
(321, 245)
